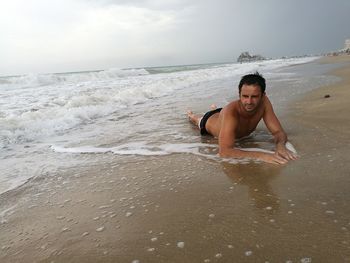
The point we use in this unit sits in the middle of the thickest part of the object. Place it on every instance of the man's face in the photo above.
(250, 97)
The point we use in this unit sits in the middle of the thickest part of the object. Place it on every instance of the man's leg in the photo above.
(195, 119)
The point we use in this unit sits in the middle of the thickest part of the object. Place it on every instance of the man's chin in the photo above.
(250, 109)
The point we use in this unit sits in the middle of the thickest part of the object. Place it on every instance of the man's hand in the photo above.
(281, 156)
(286, 154)
(273, 158)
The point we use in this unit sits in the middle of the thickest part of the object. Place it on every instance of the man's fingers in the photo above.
(275, 159)
(280, 160)
(282, 157)
(293, 157)
(287, 155)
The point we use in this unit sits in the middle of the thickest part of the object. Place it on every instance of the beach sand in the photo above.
(183, 208)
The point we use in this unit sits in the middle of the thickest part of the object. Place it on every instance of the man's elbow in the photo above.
(222, 154)
(229, 152)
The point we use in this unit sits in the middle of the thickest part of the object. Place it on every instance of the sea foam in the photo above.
(65, 101)
(146, 149)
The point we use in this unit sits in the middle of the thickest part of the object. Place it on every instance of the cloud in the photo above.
(95, 34)
(149, 4)
(64, 35)
(117, 31)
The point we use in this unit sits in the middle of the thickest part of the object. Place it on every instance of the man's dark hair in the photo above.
(253, 79)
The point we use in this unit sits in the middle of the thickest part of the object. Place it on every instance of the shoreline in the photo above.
(183, 208)
(327, 103)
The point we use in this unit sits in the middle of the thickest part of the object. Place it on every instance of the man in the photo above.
(239, 118)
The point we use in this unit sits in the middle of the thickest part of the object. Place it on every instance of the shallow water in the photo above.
(187, 205)
(122, 109)
(180, 208)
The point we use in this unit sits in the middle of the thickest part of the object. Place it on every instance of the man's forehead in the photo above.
(251, 88)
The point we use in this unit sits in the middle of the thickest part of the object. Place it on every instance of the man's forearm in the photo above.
(280, 138)
(237, 153)
(262, 156)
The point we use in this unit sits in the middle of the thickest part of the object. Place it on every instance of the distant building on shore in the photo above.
(343, 51)
(347, 44)
(246, 57)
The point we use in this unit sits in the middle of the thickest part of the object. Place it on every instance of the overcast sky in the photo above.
(39, 36)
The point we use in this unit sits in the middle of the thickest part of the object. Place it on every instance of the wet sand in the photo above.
(183, 208)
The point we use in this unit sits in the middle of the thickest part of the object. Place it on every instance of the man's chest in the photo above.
(247, 125)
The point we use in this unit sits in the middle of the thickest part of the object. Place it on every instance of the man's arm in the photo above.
(229, 123)
(275, 127)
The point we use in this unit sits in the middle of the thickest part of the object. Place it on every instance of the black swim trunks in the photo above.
(205, 119)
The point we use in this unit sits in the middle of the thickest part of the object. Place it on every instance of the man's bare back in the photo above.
(241, 117)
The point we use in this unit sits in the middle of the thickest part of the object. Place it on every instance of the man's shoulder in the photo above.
(232, 105)
(231, 108)
(266, 102)
(266, 99)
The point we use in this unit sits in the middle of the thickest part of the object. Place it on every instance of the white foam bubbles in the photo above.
(180, 244)
(100, 229)
(137, 148)
(248, 253)
(306, 260)
(147, 149)
(32, 79)
(141, 148)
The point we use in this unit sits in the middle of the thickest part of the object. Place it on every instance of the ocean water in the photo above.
(49, 121)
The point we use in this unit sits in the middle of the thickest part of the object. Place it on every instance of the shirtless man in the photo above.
(239, 118)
